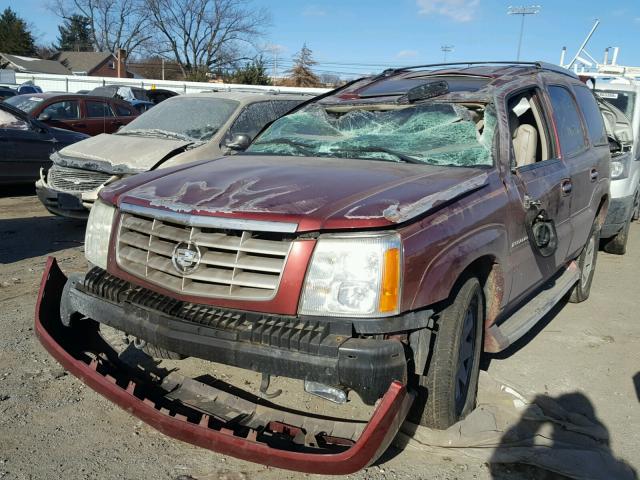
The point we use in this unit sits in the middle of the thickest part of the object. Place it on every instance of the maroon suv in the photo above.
(374, 241)
(81, 113)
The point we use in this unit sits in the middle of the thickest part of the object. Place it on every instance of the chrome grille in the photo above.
(233, 263)
(74, 179)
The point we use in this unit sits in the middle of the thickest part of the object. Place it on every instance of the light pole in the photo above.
(445, 50)
(522, 11)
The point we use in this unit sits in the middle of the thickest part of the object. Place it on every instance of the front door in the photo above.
(63, 114)
(540, 189)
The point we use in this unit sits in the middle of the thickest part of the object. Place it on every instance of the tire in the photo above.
(587, 266)
(447, 393)
(617, 245)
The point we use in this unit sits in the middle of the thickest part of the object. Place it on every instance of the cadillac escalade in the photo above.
(375, 241)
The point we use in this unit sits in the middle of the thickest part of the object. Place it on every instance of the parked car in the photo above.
(6, 92)
(137, 97)
(28, 87)
(26, 144)
(157, 95)
(81, 113)
(374, 241)
(623, 125)
(179, 130)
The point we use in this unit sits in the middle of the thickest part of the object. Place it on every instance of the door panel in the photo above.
(537, 191)
(62, 114)
(28, 151)
(98, 116)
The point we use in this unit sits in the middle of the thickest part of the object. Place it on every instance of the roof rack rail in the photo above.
(539, 64)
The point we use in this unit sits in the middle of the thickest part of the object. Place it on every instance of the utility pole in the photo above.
(163, 69)
(446, 49)
(522, 11)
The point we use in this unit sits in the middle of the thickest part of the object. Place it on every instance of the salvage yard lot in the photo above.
(51, 426)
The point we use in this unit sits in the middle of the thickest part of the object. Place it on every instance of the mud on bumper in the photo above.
(230, 422)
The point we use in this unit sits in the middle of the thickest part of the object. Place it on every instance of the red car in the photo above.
(80, 113)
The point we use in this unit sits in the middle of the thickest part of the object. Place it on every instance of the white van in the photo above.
(623, 130)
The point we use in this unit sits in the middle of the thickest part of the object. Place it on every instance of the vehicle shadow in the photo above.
(22, 238)
(636, 384)
(583, 449)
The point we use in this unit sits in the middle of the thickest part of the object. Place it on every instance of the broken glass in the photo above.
(431, 133)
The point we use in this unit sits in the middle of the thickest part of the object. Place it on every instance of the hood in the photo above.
(315, 193)
(67, 136)
(119, 154)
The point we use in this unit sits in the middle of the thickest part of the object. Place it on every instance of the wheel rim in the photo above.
(588, 260)
(466, 355)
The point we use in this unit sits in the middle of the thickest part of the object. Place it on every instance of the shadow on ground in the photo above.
(22, 238)
(559, 448)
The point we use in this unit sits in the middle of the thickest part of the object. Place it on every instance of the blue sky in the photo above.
(412, 31)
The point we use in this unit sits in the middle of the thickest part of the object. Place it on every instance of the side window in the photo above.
(281, 107)
(568, 123)
(592, 115)
(98, 109)
(252, 119)
(530, 141)
(11, 122)
(123, 110)
(67, 110)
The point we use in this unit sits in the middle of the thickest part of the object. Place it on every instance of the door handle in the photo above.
(566, 186)
(593, 174)
(79, 125)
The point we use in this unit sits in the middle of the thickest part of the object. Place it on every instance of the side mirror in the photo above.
(44, 117)
(239, 142)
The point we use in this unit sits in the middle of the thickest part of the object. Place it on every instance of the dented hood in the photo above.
(119, 154)
(315, 193)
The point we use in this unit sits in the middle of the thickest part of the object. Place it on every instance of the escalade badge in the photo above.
(186, 257)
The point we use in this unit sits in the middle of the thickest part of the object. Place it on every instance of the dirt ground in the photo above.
(52, 426)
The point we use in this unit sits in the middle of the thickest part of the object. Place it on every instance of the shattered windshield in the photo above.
(431, 133)
(183, 118)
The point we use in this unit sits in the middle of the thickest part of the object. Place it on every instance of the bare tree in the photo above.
(206, 35)
(114, 23)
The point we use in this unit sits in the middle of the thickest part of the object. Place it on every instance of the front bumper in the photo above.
(65, 204)
(251, 430)
(618, 214)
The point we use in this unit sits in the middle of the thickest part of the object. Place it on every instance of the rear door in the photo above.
(123, 112)
(585, 151)
(540, 227)
(98, 116)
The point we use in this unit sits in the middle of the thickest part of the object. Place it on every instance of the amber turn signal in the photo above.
(390, 286)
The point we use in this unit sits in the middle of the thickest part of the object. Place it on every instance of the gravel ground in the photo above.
(52, 426)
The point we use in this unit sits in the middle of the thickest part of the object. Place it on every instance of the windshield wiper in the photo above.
(399, 155)
(303, 147)
(156, 132)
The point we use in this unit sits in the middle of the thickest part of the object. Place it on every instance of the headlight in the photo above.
(96, 240)
(617, 169)
(354, 276)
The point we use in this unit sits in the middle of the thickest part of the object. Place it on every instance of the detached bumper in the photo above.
(252, 430)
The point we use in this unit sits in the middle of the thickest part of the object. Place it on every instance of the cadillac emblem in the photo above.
(186, 257)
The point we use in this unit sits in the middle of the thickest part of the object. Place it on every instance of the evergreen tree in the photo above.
(301, 74)
(253, 73)
(15, 37)
(75, 34)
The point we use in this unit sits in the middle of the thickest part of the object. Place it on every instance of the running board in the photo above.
(523, 319)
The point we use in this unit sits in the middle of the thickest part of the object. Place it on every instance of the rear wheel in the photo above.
(449, 388)
(587, 266)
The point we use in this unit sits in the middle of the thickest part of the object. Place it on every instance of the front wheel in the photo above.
(587, 266)
(448, 390)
